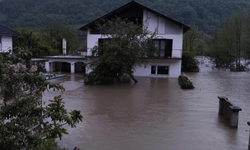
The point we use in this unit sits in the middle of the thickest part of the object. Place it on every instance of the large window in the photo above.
(163, 48)
(160, 70)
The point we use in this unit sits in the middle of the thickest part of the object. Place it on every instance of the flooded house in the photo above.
(168, 40)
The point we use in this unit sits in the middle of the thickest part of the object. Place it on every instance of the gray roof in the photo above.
(7, 32)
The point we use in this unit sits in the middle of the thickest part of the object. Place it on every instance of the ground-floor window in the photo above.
(159, 69)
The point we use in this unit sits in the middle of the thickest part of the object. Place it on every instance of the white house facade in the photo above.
(6, 39)
(169, 39)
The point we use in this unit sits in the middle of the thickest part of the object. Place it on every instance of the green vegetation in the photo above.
(195, 43)
(230, 44)
(208, 15)
(119, 57)
(26, 121)
(185, 83)
(46, 42)
(189, 63)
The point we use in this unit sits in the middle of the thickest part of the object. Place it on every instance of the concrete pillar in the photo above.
(47, 66)
(234, 116)
(72, 67)
(249, 137)
(51, 67)
(221, 99)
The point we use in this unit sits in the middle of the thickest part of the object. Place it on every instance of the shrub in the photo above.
(185, 83)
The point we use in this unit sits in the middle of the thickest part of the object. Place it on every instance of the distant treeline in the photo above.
(208, 15)
(228, 46)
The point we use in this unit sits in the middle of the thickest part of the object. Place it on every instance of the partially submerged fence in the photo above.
(229, 110)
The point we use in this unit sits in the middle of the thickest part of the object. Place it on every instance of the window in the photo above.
(160, 70)
(153, 69)
(163, 48)
(160, 47)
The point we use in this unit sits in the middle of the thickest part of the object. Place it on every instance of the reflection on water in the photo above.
(155, 114)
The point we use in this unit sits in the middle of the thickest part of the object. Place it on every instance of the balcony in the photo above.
(173, 54)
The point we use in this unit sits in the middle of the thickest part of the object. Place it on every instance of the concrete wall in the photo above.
(174, 68)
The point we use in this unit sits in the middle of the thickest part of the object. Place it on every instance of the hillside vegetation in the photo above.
(208, 15)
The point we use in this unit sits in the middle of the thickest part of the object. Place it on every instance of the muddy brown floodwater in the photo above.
(156, 114)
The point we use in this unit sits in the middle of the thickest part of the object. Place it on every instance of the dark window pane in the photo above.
(162, 70)
(153, 69)
(162, 48)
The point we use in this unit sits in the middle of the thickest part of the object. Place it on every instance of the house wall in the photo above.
(174, 68)
(6, 44)
(165, 30)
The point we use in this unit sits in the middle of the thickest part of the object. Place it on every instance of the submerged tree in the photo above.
(230, 43)
(123, 47)
(25, 121)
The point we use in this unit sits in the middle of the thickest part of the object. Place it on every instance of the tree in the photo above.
(57, 30)
(189, 63)
(27, 122)
(195, 41)
(227, 43)
(124, 46)
(36, 41)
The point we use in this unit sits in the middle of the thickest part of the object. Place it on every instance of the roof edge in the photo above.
(185, 27)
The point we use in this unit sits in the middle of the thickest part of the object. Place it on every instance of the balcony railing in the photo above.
(176, 53)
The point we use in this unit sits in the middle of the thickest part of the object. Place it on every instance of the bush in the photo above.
(185, 82)
(189, 63)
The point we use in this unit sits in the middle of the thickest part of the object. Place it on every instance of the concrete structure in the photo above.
(169, 38)
(66, 63)
(6, 39)
(229, 110)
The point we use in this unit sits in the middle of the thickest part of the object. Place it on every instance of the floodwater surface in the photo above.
(156, 114)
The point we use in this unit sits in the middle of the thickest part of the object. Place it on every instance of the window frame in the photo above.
(156, 71)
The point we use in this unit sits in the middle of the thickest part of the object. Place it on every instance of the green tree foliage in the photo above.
(125, 46)
(208, 15)
(36, 41)
(189, 63)
(185, 82)
(46, 42)
(25, 121)
(58, 30)
(230, 43)
(196, 41)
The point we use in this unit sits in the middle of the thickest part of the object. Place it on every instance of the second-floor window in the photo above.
(163, 48)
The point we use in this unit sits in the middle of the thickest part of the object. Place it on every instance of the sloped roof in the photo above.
(7, 32)
(135, 4)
